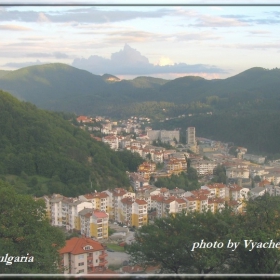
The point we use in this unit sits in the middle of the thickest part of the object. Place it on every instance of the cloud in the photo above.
(165, 61)
(11, 27)
(42, 18)
(259, 32)
(256, 46)
(85, 15)
(196, 36)
(58, 55)
(129, 61)
(17, 65)
(211, 21)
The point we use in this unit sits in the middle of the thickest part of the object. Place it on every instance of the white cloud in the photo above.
(129, 61)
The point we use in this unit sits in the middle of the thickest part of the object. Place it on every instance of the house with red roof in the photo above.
(83, 256)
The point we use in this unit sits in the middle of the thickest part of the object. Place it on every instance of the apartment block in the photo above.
(233, 192)
(176, 166)
(216, 190)
(190, 136)
(203, 167)
(117, 195)
(94, 223)
(236, 172)
(112, 141)
(139, 213)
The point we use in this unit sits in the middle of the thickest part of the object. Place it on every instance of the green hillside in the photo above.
(49, 154)
(60, 87)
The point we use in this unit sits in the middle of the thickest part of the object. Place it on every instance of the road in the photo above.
(117, 258)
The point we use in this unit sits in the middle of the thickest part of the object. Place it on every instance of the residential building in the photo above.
(254, 158)
(190, 136)
(83, 256)
(235, 172)
(203, 167)
(112, 141)
(233, 192)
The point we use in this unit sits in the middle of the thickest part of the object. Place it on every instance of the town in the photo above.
(112, 216)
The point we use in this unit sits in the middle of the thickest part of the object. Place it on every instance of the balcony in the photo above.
(103, 263)
(89, 258)
(103, 255)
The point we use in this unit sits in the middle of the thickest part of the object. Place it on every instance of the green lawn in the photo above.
(115, 247)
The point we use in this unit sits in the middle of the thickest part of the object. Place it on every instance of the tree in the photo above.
(260, 224)
(192, 174)
(257, 179)
(219, 173)
(169, 242)
(25, 231)
(186, 243)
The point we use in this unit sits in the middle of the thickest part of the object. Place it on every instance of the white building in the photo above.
(190, 136)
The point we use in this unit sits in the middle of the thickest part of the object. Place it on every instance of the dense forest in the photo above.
(46, 153)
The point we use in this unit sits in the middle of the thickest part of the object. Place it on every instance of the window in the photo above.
(81, 271)
(80, 257)
(88, 247)
(96, 261)
(81, 264)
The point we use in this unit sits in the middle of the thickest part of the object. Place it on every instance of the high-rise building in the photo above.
(190, 136)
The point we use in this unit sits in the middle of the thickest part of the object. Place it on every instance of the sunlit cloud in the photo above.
(11, 27)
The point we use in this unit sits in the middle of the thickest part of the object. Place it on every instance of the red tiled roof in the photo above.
(99, 214)
(263, 183)
(83, 118)
(216, 186)
(191, 198)
(75, 246)
(127, 200)
(180, 200)
(140, 201)
(119, 192)
(235, 187)
(89, 196)
(216, 200)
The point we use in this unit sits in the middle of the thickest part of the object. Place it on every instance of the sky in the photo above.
(129, 41)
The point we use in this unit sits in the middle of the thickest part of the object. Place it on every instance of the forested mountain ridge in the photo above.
(34, 142)
(61, 87)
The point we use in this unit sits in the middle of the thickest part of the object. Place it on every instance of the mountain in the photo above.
(110, 78)
(61, 87)
(52, 154)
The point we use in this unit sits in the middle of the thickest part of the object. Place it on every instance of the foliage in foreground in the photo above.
(169, 241)
(25, 230)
